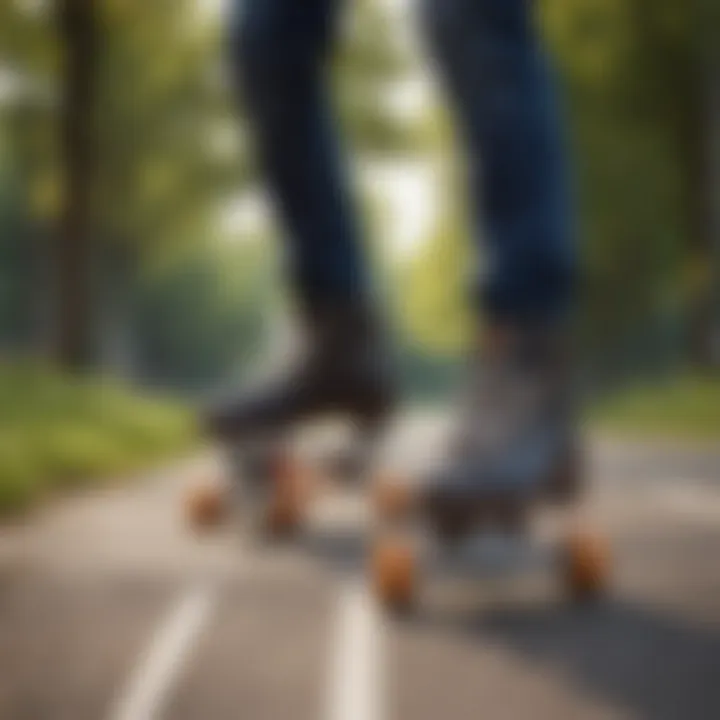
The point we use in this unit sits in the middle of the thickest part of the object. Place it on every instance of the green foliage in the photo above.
(168, 153)
(57, 432)
(169, 149)
(200, 316)
(369, 63)
(629, 69)
(434, 304)
(686, 407)
(160, 109)
(29, 61)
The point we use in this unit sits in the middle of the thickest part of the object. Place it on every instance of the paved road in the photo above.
(109, 608)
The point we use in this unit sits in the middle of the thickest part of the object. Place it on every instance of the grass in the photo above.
(684, 408)
(58, 433)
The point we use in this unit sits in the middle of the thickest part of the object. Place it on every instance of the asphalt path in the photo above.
(111, 609)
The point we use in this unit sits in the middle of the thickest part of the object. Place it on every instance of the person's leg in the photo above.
(281, 51)
(500, 86)
(516, 437)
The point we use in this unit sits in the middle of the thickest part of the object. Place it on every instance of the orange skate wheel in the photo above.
(393, 500)
(284, 516)
(205, 506)
(394, 573)
(289, 498)
(586, 565)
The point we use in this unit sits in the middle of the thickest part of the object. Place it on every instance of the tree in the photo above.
(78, 29)
(28, 108)
(159, 175)
(639, 76)
(631, 184)
(167, 164)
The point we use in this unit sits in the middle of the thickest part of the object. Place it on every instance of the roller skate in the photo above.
(344, 372)
(516, 449)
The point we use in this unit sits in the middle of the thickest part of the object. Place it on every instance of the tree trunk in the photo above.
(706, 226)
(72, 249)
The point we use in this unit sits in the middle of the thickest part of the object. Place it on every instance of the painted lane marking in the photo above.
(166, 655)
(355, 689)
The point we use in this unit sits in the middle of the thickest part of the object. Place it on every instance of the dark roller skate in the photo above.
(343, 372)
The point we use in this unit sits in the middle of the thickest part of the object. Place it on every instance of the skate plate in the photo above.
(408, 552)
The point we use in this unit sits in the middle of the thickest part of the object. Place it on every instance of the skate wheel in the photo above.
(394, 572)
(586, 565)
(284, 517)
(290, 495)
(205, 507)
(392, 500)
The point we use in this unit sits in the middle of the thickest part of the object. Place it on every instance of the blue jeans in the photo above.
(499, 86)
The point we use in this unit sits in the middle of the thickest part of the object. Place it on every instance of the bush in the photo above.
(683, 407)
(59, 432)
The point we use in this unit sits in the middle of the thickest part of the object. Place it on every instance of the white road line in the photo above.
(355, 691)
(143, 697)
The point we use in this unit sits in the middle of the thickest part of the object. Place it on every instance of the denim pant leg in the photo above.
(501, 90)
(280, 50)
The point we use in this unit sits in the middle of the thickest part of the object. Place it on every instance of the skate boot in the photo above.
(516, 443)
(343, 371)
(516, 448)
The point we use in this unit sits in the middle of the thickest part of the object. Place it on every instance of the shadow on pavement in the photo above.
(634, 656)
